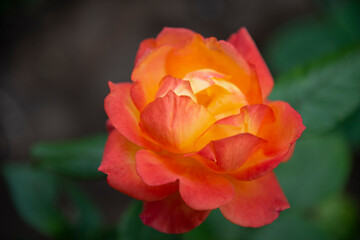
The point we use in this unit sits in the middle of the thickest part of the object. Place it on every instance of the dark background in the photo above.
(56, 58)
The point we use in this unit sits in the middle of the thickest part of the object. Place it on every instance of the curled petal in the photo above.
(215, 132)
(119, 164)
(245, 45)
(175, 122)
(256, 116)
(122, 112)
(200, 188)
(256, 203)
(289, 153)
(139, 96)
(178, 86)
(287, 128)
(280, 136)
(259, 164)
(230, 153)
(251, 118)
(172, 215)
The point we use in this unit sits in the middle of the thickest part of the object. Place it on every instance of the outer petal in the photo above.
(200, 188)
(280, 136)
(289, 153)
(247, 48)
(172, 215)
(109, 126)
(149, 70)
(122, 112)
(287, 128)
(256, 203)
(119, 164)
(174, 36)
(168, 36)
(229, 153)
(175, 122)
(145, 48)
(139, 96)
(259, 164)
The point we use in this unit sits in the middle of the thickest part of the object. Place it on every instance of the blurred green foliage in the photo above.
(316, 63)
(52, 205)
(77, 158)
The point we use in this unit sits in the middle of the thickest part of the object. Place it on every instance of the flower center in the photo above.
(213, 91)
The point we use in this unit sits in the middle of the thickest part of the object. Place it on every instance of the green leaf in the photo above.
(131, 227)
(84, 216)
(77, 158)
(35, 197)
(217, 227)
(51, 205)
(351, 128)
(345, 14)
(339, 216)
(300, 42)
(323, 96)
(318, 169)
(310, 38)
(289, 226)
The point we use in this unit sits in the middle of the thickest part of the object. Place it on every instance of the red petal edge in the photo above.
(256, 203)
(200, 188)
(246, 46)
(172, 215)
(119, 164)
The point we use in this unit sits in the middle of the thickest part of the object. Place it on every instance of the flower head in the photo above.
(194, 131)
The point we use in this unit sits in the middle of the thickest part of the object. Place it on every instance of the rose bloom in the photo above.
(194, 131)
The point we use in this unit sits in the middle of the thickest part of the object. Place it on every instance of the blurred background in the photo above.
(57, 57)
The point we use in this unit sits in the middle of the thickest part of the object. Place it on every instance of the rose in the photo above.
(194, 132)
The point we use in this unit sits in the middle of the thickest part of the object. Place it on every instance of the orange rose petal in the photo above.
(232, 52)
(224, 104)
(289, 153)
(236, 120)
(150, 70)
(174, 36)
(178, 86)
(258, 165)
(138, 95)
(257, 116)
(200, 188)
(175, 122)
(122, 112)
(145, 48)
(250, 118)
(256, 203)
(208, 54)
(215, 132)
(229, 153)
(280, 136)
(119, 164)
(172, 215)
(246, 46)
(287, 128)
